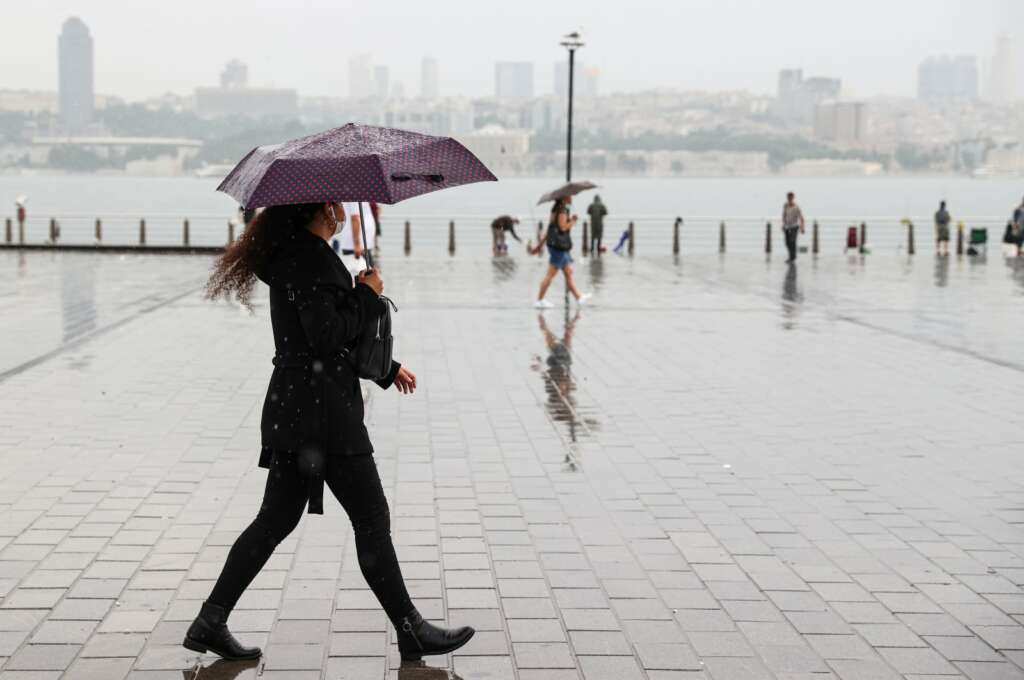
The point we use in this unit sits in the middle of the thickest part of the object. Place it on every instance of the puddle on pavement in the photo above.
(560, 385)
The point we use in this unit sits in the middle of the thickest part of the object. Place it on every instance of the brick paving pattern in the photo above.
(723, 469)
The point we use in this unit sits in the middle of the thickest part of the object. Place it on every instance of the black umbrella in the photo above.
(570, 189)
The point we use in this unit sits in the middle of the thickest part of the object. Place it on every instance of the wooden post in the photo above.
(451, 237)
(721, 237)
(768, 238)
(675, 235)
(8, 230)
(184, 232)
(53, 230)
(231, 232)
(99, 230)
(408, 237)
(586, 238)
(540, 238)
(815, 245)
(910, 237)
(632, 239)
(142, 232)
(863, 237)
(960, 238)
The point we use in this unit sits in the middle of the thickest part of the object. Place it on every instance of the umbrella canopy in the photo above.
(352, 163)
(570, 189)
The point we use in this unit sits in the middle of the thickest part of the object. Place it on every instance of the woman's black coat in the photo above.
(314, 405)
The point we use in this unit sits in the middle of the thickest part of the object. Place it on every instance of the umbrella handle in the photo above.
(366, 248)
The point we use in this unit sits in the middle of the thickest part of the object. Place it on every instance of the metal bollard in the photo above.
(142, 232)
(540, 239)
(768, 238)
(231, 232)
(863, 237)
(910, 237)
(53, 230)
(960, 238)
(675, 235)
(408, 237)
(632, 239)
(8, 231)
(451, 237)
(814, 238)
(586, 238)
(184, 232)
(99, 230)
(721, 237)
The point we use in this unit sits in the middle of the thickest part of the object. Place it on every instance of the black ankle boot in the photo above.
(418, 638)
(209, 632)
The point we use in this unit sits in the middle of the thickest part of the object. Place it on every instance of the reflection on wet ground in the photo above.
(222, 669)
(560, 385)
(418, 670)
(791, 297)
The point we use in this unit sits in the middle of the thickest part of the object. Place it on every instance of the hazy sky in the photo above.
(145, 48)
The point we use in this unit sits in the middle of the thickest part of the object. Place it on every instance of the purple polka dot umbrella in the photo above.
(352, 163)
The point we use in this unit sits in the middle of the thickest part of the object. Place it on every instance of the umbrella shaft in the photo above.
(366, 249)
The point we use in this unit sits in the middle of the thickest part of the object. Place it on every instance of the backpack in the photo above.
(371, 355)
(558, 239)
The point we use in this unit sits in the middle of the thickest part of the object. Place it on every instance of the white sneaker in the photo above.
(543, 304)
(583, 298)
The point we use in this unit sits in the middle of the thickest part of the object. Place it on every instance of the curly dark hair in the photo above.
(234, 272)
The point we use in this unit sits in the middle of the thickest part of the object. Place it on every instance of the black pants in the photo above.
(595, 240)
(791, 242)
(354, 481)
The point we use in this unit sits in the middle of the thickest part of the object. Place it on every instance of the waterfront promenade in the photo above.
(724, 468)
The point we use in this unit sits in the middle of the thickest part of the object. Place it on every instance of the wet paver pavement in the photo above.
(724, 468)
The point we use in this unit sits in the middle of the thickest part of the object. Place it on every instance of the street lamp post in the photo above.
(572, 42)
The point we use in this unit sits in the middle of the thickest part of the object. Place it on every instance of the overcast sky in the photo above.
(145, 48)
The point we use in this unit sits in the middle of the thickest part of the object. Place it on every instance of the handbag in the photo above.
(558, 239)
(371, 354)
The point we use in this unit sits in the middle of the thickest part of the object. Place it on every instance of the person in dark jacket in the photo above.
(312, 425)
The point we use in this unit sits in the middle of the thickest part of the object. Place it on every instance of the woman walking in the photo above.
(559, 244)
(312, 424)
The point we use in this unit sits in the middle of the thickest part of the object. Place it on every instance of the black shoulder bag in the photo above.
(371, 354)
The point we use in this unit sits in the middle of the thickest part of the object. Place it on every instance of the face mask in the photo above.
(338, 226)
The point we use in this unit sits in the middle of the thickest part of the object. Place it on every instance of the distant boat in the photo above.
(216, 170)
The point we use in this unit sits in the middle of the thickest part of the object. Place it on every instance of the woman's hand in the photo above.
(371, 278)
(405, 381)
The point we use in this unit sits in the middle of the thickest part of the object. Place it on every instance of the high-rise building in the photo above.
(430, 79)
(842, 122)
(798, 96)
(74, 54)
(1003, 87)
(360, 77)
(513, 80)
(235, 74)
(381, 82)
(944, 78)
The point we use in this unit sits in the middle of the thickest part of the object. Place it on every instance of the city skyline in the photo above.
(870, 62)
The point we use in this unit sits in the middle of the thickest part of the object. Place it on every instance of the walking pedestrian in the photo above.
(349, 242)
(792, 221)
(312, 422)
(942, 220)
(1018, 227)
(559, 243)
(499, 227)
(597, 212)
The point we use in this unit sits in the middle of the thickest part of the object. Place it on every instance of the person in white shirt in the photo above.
(349, 242)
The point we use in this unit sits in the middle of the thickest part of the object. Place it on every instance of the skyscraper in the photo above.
(798, 96)
(944, 78)
(1003, 87)
(430, 79)
(235, 74)
(74, 56)
(513, 80)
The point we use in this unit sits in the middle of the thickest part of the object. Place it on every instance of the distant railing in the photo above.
(645, 235)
